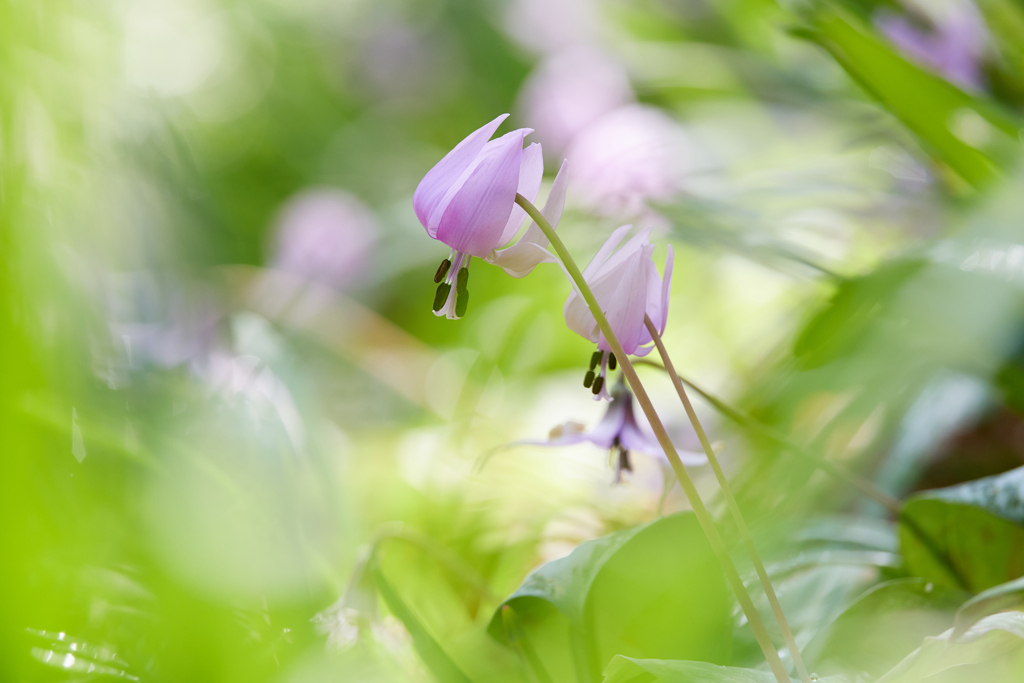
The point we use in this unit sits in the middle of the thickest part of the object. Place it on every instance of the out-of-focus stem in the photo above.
(838, 471)
(703, 516)
(734, 508)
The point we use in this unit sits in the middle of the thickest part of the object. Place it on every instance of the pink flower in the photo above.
(619, 432)
(467, 201)
(569, 91)
(628, 157)
(324, 235)
(627, 287)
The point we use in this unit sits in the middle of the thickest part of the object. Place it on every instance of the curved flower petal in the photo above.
(577, 314)
(657, 300)
(436, 182)
(610, 427)
(531, 172)
(521, 258)
(606, 250)
(553, 207)
(666, 286)
(622, 294)
(472, 215)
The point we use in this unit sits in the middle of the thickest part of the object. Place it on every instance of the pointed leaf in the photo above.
(968, 536)
(651, 591)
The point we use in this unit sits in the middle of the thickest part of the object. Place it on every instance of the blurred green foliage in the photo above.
(214, 467)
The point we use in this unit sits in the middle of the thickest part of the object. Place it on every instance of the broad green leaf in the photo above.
(431, 652)
(968, 536)
(629, 670)
(1001, 494)
(925, 103)
(989, 644)
(652, 591)
(880, 627)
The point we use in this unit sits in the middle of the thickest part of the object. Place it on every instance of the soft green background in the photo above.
(849, 271)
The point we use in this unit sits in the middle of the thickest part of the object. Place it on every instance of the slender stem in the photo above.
(838, 471)
(701, 512)
(734, 508)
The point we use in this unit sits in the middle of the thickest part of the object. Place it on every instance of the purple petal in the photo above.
(520, 259)
(610, 426)
(438, 179)
(622, 294)
(657, 300)
(666, 286)
(531, 172)
(606, 250)
(472, 215)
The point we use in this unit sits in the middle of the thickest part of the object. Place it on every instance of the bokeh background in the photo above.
(223, 388)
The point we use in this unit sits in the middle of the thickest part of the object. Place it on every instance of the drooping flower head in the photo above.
(467, 201)
(620, 433)
(627, 287)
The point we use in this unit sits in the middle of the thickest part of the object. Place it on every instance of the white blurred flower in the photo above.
(628, 157)
(341, 626)
(266, 397)
(570, 90)
(325, 235)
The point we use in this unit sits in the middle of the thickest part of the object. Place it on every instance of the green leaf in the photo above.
(628, 670)
(652, 591)
(430, 651)
(925, 103)
(968, 536)
(882, 625)
(988, 644)
(1008, 596)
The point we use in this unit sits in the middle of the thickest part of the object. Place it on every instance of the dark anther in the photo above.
(611, 361)
(624, 463)
(588, 379)
(441, 295)
(442, 270)
(598, 383)
(461, 293)
(595, 359)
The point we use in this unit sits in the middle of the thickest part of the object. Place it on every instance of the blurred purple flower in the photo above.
(627, 157)
(569, 91)
(954, 48)
(467, 201)
(627, 286)
(324, 235)
(158, 322)
(619, 432)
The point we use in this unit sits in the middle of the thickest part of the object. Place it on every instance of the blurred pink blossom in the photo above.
(628, 157)
(569, 91)
(954, 48)
(324, 235)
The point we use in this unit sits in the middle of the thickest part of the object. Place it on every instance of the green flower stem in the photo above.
(703, 516)
(734, 508)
